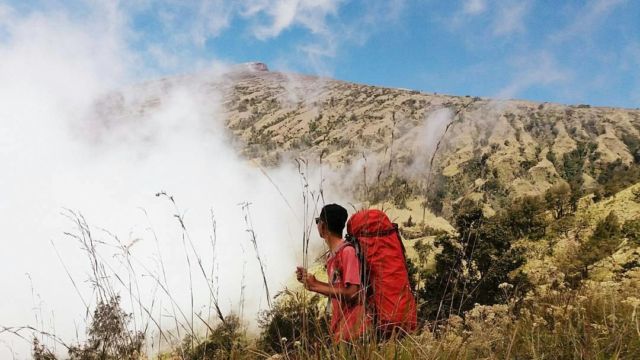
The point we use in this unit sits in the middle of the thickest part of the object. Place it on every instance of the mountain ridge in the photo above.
(495, 149)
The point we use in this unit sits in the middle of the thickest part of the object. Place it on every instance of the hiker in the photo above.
(349, 319)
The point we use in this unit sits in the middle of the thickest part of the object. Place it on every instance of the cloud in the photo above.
(504, 18)
(510, 17)
(326, 30)
(474, 7)
(533, 70)
(284, 14)
(212, 17)
(319, 18)
(587, 19)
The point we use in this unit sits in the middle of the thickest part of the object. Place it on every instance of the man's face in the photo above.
(322, 227)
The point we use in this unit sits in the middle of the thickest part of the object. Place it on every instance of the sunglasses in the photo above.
(318, 220)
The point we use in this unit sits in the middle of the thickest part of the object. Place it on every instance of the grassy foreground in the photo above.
(524, 283)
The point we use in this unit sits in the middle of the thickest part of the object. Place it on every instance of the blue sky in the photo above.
(561, 51)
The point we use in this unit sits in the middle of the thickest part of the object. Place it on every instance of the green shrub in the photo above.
(526, 217)
(633, 144)
(109, 337)
(295, 320)
(394, 188)
(471, 265)
(437, 192)
(227, 340)
(558, 199)
(551, 156)
(617, 176)
(573, 164)
(603, 242)
(631, 231)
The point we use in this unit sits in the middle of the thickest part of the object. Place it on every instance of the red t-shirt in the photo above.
(348, 318)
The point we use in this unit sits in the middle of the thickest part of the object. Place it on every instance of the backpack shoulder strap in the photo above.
(364, 269)
(396, 229)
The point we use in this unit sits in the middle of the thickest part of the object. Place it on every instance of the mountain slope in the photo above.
(382, 142)
(492, 150)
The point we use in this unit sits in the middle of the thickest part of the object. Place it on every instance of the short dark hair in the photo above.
(335, 216)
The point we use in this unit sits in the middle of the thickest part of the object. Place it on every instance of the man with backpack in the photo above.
(368, 283)
(349, 319)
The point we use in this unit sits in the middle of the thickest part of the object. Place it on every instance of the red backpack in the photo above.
(384, 271)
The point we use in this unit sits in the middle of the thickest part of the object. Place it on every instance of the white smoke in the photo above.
(429, 134)
(56, 153)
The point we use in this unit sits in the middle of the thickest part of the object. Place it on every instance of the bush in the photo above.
(109, 337)
(558, 199)
(573, 168)
(617, 176)
(296, 319)
(40, 352)
(603, 242)
(471, 265)
(633, 144)
(227, 340)
(526, 217)
(437, 193)
(563, 225)
(597, 318)
(631, 231)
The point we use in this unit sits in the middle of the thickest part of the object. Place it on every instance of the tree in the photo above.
(471, 265)
(558, 199)
(572, 170)
(631, 231)
(603, 242)
(617, 176)
(526, 217)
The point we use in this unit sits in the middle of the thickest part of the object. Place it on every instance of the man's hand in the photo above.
(349, 293)
(308, 280)
(300, 273)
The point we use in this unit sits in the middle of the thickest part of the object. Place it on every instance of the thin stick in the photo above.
(393, 128)
(284, 198)
(199, 260)
(254, 242)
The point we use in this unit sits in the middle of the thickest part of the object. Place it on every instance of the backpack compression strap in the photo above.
(376, 233)
(394, 229)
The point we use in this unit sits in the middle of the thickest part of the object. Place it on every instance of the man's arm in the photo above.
(350, 292)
